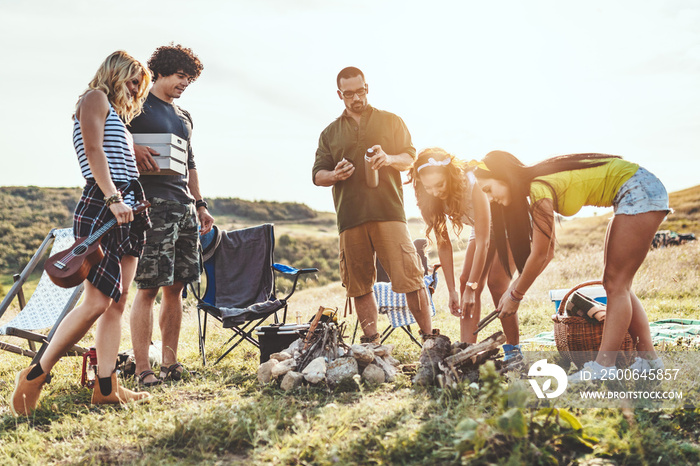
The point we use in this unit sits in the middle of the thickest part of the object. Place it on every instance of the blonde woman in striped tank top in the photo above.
(106, 156)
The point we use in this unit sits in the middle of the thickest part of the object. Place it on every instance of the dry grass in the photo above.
(223, 416)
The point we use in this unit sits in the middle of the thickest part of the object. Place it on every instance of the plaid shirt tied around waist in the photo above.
(91, 214)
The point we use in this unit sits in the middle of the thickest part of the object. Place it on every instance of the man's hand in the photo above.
(144, 159)
(381, 158)
(343, 170)
(206, 221)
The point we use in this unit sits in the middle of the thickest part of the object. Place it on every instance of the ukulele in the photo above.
(70, 267)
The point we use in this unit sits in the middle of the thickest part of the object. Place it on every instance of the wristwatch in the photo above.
(473, 285)
(201, 203)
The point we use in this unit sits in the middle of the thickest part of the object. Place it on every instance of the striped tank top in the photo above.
(118, 145)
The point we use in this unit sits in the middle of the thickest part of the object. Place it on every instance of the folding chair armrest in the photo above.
(296, 273)
(208, 308)
(436, 267)
(289, 270)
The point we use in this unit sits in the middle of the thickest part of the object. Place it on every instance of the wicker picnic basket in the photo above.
(578, 339)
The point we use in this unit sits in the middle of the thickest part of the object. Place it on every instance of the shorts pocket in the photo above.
(343, 268)
(411, 264)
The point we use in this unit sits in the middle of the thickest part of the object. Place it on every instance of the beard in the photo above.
(357, 107)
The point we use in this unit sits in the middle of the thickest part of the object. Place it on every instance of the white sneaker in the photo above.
(593, 371)
(644, 366)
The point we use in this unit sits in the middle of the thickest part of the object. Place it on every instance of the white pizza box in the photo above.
(172, 152)
(146, 139)
(168, 166)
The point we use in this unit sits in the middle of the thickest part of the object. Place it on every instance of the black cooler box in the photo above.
(275, 338)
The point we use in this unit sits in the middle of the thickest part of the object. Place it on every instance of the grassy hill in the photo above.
(28, 213)
(686, 218)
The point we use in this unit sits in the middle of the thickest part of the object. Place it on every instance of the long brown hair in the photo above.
(513, 224)
(436, 211)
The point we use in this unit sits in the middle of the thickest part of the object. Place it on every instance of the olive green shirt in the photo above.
(355, 203)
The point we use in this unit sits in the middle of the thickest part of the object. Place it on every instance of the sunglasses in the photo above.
(351, 94)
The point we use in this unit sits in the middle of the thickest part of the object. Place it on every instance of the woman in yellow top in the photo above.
(446, 188)
(564, 184)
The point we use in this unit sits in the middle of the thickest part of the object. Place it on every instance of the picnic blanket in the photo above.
(665, 330)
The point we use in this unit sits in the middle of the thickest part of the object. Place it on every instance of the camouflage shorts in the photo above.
(171, 253)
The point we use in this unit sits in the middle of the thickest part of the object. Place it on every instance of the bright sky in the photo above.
(535, 78)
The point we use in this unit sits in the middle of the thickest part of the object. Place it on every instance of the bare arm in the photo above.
(445, 254)
(482, 233)
(205, 218)
(92, 113)
(482, 236)
(541, 253)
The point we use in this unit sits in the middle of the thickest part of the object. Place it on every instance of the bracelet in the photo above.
(513, 298)
(201, 203)
(114, 199)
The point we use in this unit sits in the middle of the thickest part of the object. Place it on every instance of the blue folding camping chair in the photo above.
(240, 288)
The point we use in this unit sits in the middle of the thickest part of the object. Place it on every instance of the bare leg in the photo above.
(498, 282)
(75, 326)
(627, 243)
(171, 321)
(141, 320)
(109, 324)
(419, 304)
(639, 329)
(366, 307)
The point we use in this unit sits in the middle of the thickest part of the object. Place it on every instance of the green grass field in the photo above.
(223, 416)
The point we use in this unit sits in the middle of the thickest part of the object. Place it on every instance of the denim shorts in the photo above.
(644, 192)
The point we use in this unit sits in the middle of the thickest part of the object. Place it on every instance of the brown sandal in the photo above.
(174, 372)
(140, 379)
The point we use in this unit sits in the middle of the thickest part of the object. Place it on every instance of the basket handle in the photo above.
(562, 304)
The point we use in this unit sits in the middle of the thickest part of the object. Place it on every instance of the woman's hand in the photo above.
(122, 212)
(453, 303)
(468, 302)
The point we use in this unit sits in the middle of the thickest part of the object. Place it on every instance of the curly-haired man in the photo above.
(170, 258)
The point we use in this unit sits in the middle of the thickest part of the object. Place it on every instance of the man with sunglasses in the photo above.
(370, 220)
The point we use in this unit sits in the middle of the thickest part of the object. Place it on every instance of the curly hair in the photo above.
(169, 59)
(111, 78)
(435, 211)
(513, 224)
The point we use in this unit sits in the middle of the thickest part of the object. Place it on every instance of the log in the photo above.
(470, 354)
(312, 327)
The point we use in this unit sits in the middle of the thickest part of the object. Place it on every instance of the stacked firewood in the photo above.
(322, 357)
(445, 364)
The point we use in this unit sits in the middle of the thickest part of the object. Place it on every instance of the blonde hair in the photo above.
(111, 78)
(436, 211)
